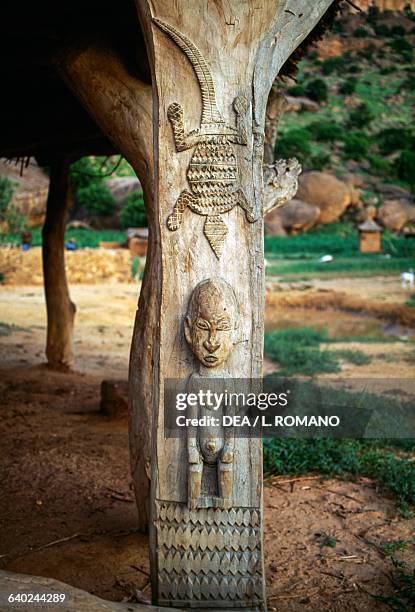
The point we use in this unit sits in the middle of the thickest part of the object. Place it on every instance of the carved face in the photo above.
(211, 321)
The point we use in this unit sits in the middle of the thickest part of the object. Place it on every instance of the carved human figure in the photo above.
(210, 326)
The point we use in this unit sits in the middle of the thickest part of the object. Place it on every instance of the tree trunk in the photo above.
(122, 106)
(60, 309)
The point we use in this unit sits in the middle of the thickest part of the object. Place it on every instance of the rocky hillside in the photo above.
(357, 145)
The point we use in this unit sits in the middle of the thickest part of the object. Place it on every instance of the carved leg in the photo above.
(174, 220)
(194, 485)
(225, 477)
(244, 204)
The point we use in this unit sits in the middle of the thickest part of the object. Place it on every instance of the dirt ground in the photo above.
(66, 503)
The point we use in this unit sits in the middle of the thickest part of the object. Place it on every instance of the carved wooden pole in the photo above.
(213, 65)
(60, 308)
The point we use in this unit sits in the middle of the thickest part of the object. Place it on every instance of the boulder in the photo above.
(295, 105)
(366, 214)
(293, 217)
(30, 190)
(121, 186)
(330, 194)
(75, 599)
(114, 398)
(395, 214)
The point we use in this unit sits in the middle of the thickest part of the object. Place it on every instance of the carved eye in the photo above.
(202, 324)
(223, 326)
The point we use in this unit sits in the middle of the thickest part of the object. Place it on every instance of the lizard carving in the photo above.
(213, 171)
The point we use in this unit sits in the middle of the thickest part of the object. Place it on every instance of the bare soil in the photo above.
(67, 508)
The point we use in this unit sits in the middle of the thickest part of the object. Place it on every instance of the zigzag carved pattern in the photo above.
(209, 588)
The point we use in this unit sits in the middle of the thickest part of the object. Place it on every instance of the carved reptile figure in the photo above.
(213, 171)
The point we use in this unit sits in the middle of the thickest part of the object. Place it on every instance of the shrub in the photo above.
(360, 33)
(317, 90)
(133, 213)
(8, 213)
(353, 68)
(373, 13)
(401, 46)
(333, 64)
(97, 198)
(405, 166)
(380, 166)
(320, 161)
(6, 194)
(348, 86)
(397, 31)
(382, 30)
(326, 131)
(393, 139)
(360, 117)
(297, 91)
(356, 145)
(294, 143)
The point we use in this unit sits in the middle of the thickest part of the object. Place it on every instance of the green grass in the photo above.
(345, 459)
(84, 238)
(298, 350)
(411, 301)
(343, 266)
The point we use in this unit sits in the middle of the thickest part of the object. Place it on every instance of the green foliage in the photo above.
(298, 91)
(294, 143)
(372, 14)
(326, 131)
(411, 301)
(360, 33)
(97, 198)
(397, 31)
(333, 64)
(394, 139)
(356, 145)
(8, 212)
(133, 213)
(317, 90)
(298, 352)
(401, 46)
(348, 86)
(360, 117)
(380, 165)
(319, 161)
(382, 30)
(6, 193)
(403, 600)
(405, 166)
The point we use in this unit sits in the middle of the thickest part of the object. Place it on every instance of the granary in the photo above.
(370, 237)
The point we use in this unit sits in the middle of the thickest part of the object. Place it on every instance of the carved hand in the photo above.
(240, 105)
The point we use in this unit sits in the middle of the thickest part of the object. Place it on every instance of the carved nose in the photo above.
(211, 446)
(211, 346)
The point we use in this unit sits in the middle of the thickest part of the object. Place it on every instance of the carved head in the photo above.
(212, 317)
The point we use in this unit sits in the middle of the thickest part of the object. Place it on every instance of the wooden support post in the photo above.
(60, 308)
(213, 64)
(201, 308)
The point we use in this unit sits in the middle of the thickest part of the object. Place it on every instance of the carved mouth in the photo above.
(211, 358)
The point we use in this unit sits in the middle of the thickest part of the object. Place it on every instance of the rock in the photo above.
(76, 600)
(331, 195)
(293, 217)
(114, 398)
(393, 192)
(121, 186)
(109, 245)
(295, 105)
(393, 214)
(273, 223)
(138, 246)
(366, 214)
(30, 190)
(78, 225)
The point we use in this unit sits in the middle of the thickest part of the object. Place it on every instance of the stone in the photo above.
(327, 192)
(295, 105)
(137, 246)
(121, 186)
(395, 214)
(114, 398)
(296, 215)
(30, 190)
(76, 600)
(369, 212)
